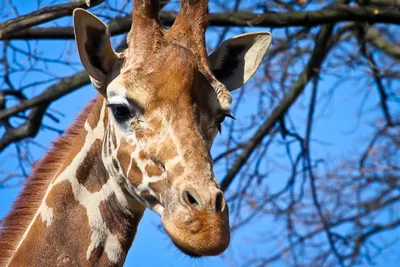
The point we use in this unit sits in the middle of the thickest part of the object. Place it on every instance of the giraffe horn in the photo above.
(193, 19)
(145, 23)
(194, 15)
(147, 9)
(144, 19)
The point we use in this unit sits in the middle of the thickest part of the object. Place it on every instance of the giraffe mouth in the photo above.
(187, 251)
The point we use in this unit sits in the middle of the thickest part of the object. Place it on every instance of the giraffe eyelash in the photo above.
(221, 119)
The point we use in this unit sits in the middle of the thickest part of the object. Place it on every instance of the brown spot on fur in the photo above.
(92, 174)
(135, 176)
(120, 221)
(177, 170)
(168, 152)
(156, 123)
(145, 134)
(153, 170)
(142, 155)
(124, 156)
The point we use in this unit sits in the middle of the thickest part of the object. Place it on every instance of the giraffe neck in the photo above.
(85, 217)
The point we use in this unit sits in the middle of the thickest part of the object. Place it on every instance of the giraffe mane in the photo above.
(14, 225)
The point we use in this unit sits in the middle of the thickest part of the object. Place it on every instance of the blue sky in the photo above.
(340, 132)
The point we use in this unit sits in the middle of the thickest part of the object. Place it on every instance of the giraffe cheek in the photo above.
(128, 164)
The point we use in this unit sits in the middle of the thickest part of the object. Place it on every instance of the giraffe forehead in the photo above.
(168, 71)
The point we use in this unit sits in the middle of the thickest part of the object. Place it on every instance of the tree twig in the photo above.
(334, 14)
(321, 49)
(10, 27)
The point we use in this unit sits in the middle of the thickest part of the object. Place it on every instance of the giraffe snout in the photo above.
(208, 199)
(197, 219)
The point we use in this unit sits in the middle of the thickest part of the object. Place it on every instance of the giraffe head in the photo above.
(167, 99)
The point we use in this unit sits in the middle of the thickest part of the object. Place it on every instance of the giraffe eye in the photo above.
(121, 112)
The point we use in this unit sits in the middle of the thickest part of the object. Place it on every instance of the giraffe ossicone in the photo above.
(144, 142)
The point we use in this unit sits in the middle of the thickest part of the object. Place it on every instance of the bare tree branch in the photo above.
(321, 49)
(43, 15)
(334, 14)
(60, 89)
(375, 70)
(28, 129)
(376, 39)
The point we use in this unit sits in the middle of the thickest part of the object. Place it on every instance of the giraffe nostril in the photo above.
(190, 199)
(219, 202)
(208, 199)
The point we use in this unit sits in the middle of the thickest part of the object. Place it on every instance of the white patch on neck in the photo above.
(113, 248)
(46, 214)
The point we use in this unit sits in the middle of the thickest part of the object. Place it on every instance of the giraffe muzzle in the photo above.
(197, 221)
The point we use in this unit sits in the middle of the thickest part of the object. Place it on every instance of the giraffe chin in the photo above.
(200, 232)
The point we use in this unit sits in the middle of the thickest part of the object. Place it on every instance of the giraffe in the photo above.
(144, 142)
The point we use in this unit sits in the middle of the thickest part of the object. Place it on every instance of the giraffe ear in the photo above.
(94, 46)
(236, 60)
